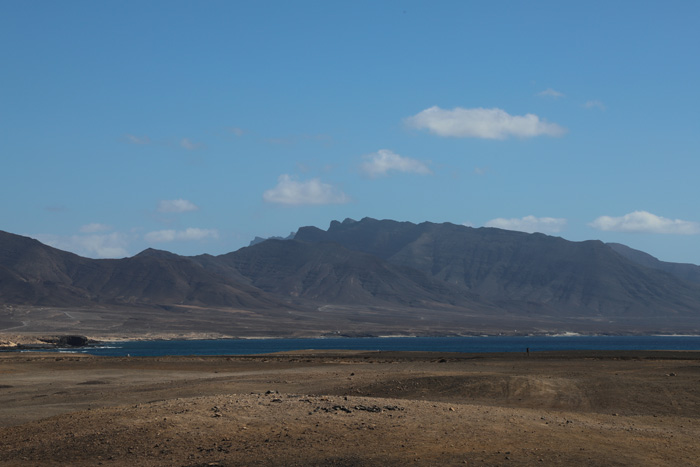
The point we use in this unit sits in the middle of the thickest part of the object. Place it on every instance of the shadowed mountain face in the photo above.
(516, 269)
(35, 274)
(383, 265)
(689, 272)
(330, 273)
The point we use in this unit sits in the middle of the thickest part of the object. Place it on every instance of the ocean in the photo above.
(433, 344)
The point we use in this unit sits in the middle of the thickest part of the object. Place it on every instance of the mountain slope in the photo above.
(686, 271)
(330, 273)
(397, 275)
(32, 273)
(515, 268)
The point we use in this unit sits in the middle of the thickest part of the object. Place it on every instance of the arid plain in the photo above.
(351, 408)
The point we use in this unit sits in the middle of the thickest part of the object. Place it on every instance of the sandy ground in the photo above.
(352, 408)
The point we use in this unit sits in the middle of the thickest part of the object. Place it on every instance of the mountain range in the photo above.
(399, 275)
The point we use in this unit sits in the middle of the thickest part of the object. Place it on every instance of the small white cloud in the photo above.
(529, 224)
(111, 245)
(137, 139)
(314, 191)
(176, 205)
(645, 222)
(192, 233)
(482, 123)
(95, 227)
(190, 145)
(481, 170)
(236, 131)
(384, 160)
(594, 104)
(549, 92)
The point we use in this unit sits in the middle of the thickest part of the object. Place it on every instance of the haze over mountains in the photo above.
(361, 275)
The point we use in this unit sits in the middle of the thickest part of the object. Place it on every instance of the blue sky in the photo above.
(195, 126)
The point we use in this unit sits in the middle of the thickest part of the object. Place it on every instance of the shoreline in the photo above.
(74, 343)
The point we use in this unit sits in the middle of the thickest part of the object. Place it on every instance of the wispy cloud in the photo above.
(594, 104)
(482, 123)
(314, 191)
(549, 92)
(290, 140)
(529, 224)
(190, 145)
(133, 139)
(176, 205)
(190, 234)
(236, 130)
(113, 245)
(95, 227)
(646, 222)
(385, 160)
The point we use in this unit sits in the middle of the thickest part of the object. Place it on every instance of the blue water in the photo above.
(436, 344)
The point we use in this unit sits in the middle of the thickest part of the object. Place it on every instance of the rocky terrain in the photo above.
(352, 408)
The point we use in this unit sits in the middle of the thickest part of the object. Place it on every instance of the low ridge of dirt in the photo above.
(345, 408)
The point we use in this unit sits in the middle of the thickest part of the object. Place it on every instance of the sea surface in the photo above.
(434, 344)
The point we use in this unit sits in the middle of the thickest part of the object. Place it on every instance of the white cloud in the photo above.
(384, 160)
(192, 233)
(314, 191)
(95, 227)
(594, 104)
(645, 222)
(529, 224)
(176, 205)
(111, 245)
(482, 123)
(549, 92)
(190, 145)
(137, 139)
(236, 131)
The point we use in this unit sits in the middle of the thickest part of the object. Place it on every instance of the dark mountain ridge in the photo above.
(471, 275)
(513, 268)
(32, 273)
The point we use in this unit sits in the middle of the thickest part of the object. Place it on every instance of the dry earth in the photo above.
(352, 408)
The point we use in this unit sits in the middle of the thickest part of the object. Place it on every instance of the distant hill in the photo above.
(32, 273)
(399, 274)
(257, 240)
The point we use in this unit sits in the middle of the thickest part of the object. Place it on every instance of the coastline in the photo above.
(153, 344)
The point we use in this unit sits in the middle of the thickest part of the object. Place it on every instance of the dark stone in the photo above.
(72, 341)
